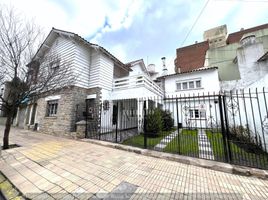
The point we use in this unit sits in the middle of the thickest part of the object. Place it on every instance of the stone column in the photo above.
(81, 129)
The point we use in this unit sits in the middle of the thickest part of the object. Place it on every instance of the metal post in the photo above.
(227, 159)
(116, 124)
(145, 125)
(98, 115)
(86, 118)
(178, 127)
(227, 129)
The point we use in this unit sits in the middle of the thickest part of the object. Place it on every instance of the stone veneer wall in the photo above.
(67, 114)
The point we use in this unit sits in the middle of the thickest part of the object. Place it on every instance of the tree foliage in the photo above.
(154, 123)
(24, 75)
(168, 121)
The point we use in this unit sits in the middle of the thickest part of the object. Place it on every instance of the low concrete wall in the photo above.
(3, 120)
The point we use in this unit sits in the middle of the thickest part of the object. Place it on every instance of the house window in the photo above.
(198, 84)
(188, 85)
(197, 114)
(52, 108)
(185, 85)
(191, 85)
(54, 67)
(178, 86)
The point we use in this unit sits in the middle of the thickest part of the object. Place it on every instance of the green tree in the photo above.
(154, 122)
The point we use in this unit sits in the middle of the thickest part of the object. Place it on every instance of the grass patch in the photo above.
(138, 140)
(186, 143)
(239, 155)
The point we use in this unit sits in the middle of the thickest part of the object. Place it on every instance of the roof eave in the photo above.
(188, 72)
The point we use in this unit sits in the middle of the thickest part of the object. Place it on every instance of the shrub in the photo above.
(154, 123)
(245, 139)
(168, 121)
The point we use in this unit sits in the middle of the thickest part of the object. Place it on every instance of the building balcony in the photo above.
(135, 87)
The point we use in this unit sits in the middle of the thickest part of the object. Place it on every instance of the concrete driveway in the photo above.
(48, 167)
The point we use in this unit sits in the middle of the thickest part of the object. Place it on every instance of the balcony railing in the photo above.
(137, 81)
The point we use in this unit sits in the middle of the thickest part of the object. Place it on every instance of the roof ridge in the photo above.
(83, 39)
(141, 59)
(252, 28)
(190, 71)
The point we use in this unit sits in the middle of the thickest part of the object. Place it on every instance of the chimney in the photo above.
(165, 71)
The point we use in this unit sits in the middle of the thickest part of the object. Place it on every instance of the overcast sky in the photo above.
(148, 29)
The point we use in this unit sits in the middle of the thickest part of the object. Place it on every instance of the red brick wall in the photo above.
(235, 37)
(191, 57)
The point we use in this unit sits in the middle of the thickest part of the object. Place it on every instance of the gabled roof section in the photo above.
(188, 72)
(135, 62)
(54, 32)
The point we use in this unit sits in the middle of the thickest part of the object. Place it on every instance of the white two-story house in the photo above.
(101, 82)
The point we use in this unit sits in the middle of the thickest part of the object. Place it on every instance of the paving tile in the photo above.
(69, 169)
(59, 195)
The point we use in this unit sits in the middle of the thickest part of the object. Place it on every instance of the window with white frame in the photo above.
(54, 66)
(198, 84)
(188, 84)
(52, 108)
(196, 113)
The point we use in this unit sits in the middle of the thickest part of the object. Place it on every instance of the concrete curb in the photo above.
(8, 189)
(208, 164)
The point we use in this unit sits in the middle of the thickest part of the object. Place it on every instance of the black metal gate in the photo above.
(113, 121)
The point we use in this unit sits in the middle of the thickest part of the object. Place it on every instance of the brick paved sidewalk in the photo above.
(48, 167)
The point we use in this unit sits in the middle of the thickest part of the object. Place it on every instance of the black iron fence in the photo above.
(228, 127)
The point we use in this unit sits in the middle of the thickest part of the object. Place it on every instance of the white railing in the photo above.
(137, 81)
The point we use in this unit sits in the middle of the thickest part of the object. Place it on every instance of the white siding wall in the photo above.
(209, 82)
(94, 76)
(82, 62)
(64, 48)
(106, 72)
(92, 68)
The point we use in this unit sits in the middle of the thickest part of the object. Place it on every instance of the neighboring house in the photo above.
(102, 79)
(184, 87)
(241, 57)
(242, 61)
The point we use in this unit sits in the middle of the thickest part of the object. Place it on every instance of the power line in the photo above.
(192, 27)
(195, 22)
